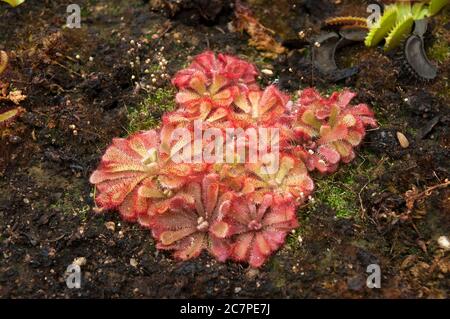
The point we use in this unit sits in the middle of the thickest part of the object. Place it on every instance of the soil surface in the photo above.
(389, 207)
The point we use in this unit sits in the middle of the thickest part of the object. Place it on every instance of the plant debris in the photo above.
(261, 37)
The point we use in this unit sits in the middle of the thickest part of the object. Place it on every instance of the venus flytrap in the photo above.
(397, 22)
(14, 3)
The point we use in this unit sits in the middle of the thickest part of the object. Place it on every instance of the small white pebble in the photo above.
(79, 261)
(267, 72)
(237, 290)
(133, 262)
(133, 77)
(444, 242)
(77, 57)
(402, 140)
(91, 58)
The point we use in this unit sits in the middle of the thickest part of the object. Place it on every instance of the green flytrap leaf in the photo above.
(382, 27)
(14, 3)
(398, 34)
(397, 22)
(419, 11)
(436, 6)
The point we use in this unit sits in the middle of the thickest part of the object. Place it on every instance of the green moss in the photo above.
(72, 202)
(148, 113)
(338, 195)
(340, 191)
(328, 90)
(277, 275)
(439, 51)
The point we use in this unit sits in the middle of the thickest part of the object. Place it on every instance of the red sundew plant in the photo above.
(208, 65)
(291, 179)
(127, 170)
(187, 227)
(211, 83)
(257, 226)
(235, 208)
(328, 130)
(256, 107)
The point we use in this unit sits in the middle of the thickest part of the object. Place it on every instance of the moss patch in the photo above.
(440, 50)
(339, 195)
(340, 191)
(72, 203)
(148, 113)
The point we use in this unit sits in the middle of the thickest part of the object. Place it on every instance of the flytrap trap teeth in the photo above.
(326, 46)
(416, 59)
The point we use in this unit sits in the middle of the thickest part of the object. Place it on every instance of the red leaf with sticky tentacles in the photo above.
(328, 129)
(185, 227)
(257, 228)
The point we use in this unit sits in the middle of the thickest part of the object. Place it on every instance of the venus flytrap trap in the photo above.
(397, 22)
(242, 205)
(14, 3)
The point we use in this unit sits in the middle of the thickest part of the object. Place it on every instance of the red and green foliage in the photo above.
(328, 129)
(239, 210)
(257, 226)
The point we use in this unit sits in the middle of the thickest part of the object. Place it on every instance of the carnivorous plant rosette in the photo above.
(328, 129)
(239, 207)
(257, 227)
(186, 227)
(133, 163)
